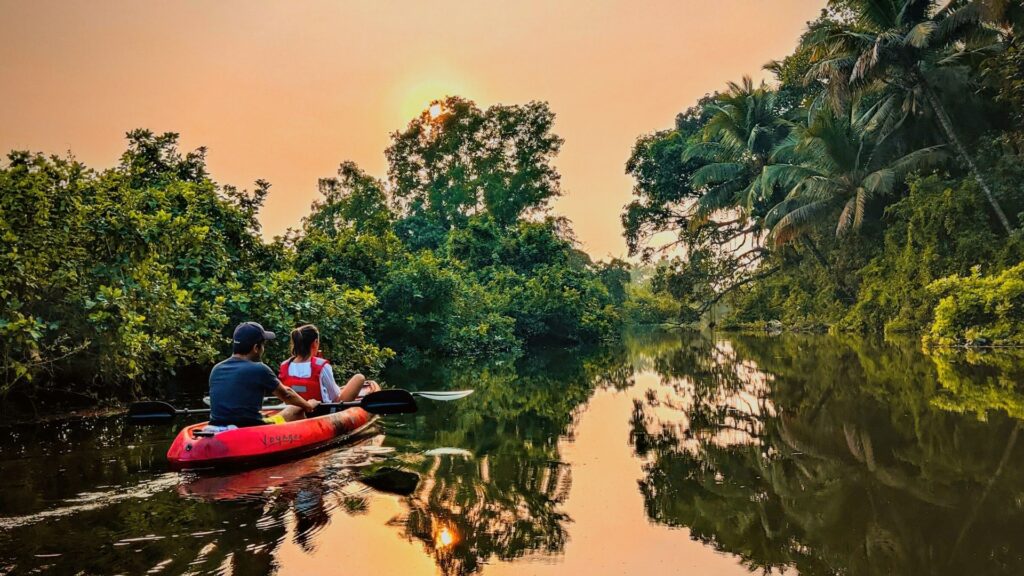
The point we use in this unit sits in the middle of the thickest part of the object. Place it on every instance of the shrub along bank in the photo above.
(115, 282)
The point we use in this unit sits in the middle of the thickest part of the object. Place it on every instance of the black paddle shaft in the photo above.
(381, 402)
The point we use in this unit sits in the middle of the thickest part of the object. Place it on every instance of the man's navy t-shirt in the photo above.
(237, 388)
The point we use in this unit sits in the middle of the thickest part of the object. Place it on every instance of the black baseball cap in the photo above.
(248, 334)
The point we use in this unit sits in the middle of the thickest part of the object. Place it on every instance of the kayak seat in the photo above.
(210, 430)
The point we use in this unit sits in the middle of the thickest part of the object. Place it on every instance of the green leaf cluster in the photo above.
(644, 306)
(979, 309)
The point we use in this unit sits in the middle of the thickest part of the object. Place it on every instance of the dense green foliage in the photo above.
(979, 309)
(123, 277)
(644, 306)
(886, 156)
(458, 249)
(116, 281)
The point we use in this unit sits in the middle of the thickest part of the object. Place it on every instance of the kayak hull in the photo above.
(257, 445)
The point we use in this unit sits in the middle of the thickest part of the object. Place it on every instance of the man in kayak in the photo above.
(238, 384)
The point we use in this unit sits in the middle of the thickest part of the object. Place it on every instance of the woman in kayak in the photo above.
(310, 375)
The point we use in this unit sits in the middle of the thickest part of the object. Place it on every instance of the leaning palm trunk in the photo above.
(954, 139)
(844, 291)
(813, 249)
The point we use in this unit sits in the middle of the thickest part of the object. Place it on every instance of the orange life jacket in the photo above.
(308, 387)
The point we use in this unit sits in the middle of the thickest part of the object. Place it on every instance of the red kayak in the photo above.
(258, 444)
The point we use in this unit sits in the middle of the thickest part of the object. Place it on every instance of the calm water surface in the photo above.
(668, 454)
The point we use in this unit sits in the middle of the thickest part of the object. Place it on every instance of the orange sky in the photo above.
(287, 90)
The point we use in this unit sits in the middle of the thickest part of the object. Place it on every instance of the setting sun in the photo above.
(431, 83)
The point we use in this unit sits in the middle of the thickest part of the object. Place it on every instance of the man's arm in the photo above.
(292, 398)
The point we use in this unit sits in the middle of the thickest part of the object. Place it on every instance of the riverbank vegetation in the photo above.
(118, 281)
(875, 185)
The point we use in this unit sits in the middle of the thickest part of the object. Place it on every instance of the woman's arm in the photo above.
(329, 387)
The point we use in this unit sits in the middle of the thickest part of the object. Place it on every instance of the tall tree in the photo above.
(455, 160)
(895, 47)
(352, 198)
(348, 234)
(701, 182)
(663, 192)
(837, 167)
(746, 124)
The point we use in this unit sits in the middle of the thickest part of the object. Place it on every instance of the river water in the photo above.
(666, 454)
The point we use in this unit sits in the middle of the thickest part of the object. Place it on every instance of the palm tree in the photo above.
(737, 143)
(893, 47)
(833, 168)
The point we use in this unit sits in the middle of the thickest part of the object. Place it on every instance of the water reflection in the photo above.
(134, 521)
(978, 382)
(809, 454)
(838, 455)
(496, 492)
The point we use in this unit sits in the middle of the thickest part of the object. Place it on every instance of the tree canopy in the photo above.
(790, 198)
(122, 281)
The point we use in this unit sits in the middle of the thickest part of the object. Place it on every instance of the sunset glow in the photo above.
(433, 82)
(534, 287)
(286, 93)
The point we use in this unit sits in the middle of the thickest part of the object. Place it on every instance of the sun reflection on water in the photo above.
(444, 538)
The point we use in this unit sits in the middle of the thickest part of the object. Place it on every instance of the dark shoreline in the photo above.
(14, 418)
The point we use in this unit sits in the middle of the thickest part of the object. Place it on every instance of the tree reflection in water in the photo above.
(837, 455)
(830, 455)
(500, 495)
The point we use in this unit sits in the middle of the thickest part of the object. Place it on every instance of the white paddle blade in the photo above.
(443, 396)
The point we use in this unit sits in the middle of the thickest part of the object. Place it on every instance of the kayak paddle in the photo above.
(273, 403)
(382, 402)
(443, 395)
(438, 396)
(153, 411)
(393, 401)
